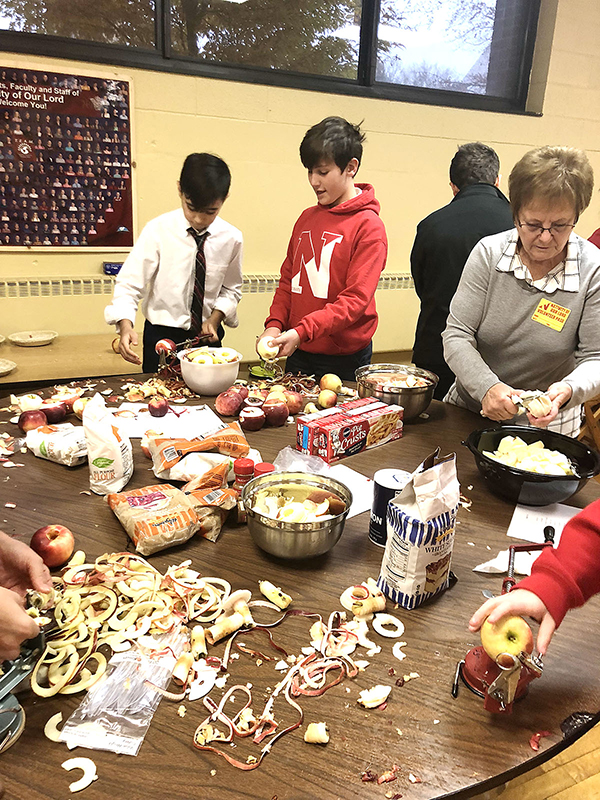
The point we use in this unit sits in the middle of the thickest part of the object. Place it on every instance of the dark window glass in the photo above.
(107, 21)
(309, 36)
(475, 47)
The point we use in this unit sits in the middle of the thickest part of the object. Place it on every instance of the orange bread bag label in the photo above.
(155, 517)
(167, 452)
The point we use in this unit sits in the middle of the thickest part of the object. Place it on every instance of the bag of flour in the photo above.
(420, 533)
(110, 456)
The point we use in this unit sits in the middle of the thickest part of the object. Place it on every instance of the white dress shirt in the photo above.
(160, 271)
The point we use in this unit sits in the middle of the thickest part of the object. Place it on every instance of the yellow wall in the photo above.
(257, 130)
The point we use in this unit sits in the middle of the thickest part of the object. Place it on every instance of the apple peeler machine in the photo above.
(12, 715)
(503, 681)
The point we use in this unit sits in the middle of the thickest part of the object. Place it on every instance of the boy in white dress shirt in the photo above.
(160, 270)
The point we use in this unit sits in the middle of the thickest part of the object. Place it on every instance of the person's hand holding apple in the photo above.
(21, 568)
(518, 602)
(15, 625)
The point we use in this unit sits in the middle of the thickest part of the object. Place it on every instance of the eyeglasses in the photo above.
(537, 230)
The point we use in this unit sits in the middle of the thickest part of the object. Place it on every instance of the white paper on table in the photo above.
(499, 564)
(360, 486)
(528, 522)
(180, 422)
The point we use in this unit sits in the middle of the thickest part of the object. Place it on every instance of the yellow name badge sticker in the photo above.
(551, 315)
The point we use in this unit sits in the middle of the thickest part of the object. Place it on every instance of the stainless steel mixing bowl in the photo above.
(414, 400)
(295, 539)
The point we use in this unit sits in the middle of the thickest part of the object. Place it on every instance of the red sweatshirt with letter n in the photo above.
(328, 280)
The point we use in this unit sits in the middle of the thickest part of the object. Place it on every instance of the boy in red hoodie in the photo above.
(561, 578)
(323, 314)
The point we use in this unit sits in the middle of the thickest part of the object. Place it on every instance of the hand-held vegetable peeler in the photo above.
(12, 715)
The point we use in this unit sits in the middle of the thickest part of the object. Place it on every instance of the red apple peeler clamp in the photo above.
(506, 679)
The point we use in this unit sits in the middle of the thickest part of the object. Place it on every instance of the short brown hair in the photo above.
(553, 174)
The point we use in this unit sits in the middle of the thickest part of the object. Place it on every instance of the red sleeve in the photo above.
(366, 265)
(568, 575)
(595, 238)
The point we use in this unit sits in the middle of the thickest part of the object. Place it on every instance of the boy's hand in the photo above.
(15, 625)
(519, 602)
(288, 342)
(210, 325)
(128, 338)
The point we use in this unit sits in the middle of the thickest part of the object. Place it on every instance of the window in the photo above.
(473, 53)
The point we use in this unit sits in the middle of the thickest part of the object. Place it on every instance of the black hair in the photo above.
(204, 180)
(332, 139)
(474, 163)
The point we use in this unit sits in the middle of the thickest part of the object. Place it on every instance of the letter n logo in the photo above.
(305, 258)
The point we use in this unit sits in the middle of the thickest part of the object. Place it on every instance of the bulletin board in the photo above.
(65, 161)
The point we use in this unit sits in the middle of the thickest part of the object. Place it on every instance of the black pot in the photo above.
(530, 488)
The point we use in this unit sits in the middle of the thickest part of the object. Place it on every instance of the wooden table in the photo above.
(453, 746)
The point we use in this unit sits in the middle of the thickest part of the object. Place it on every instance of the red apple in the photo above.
(158, 406)
(54, 410)
(67, 395)
(29, 420)
(294, 401)
(327, 398)
(276, 412)
(240, 389)
(509, 635)
(252, 418)
(253, 402)
(79, 405)
(331, 382)
(54, 544)
(164, 346)
(228, 403)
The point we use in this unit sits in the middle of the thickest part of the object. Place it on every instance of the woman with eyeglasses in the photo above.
(526, 314)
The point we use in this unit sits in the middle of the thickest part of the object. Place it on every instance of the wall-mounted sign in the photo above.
(65, 160)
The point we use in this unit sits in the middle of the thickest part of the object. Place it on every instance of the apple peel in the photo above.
(89, 772)
(381, 620)
(51, 727)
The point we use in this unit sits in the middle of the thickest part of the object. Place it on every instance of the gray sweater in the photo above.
(490, 336)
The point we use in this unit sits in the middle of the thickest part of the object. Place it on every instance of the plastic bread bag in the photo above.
(110, 456)
(155, 517)
(212, 500)
(420, 533)
(166, 453)
(117, 711)
(63, 444)
(194, 465)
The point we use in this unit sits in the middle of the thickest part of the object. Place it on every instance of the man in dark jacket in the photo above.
(443, 243)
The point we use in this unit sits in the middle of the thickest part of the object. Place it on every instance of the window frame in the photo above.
(161, 59)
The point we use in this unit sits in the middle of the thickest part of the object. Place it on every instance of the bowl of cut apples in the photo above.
(209, 370)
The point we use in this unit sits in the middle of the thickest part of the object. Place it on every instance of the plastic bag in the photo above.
(110, 456)
(290, 460)
(118, 710)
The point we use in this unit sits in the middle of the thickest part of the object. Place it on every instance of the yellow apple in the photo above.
(266, 349)
(509, 635)
(331, 382)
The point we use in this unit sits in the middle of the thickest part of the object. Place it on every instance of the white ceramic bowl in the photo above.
(211, 379)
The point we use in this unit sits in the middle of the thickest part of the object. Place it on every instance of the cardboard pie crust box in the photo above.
(359, 425)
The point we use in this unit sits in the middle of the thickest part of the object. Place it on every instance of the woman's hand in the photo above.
(519, 602)
(21, 568)
(497, 403)
(560, 393)
(288, 342)
(128, 338)
(15, 625)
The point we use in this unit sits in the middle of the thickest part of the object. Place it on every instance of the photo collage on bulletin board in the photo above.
(65, 160)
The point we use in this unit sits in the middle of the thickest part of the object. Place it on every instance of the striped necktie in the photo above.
(198, 296)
